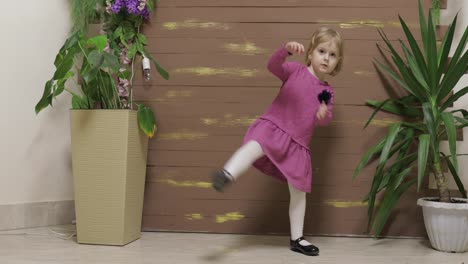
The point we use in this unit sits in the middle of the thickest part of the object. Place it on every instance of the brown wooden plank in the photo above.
(252, 46)
(255, 216)
(351, 30)
(186, 183)
(353, 145)
(234, 70)
(200, 111)
(184, 178)
(284, 15)
(215, 159)
(293, 3)
(326, 195)
(256, 208)
(399, 227)
(191, 128)
(210, 94)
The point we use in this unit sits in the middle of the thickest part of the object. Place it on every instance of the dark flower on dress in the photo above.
(324, 96)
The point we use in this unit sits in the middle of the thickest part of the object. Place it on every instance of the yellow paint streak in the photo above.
(364, 73)
(365, 23)
(207, 71)
(172, 93)
(186, 183)
(345, 204)
(229, 121)
(397, 24)
(209, 121)
(232, 216)
(193, 24)
(182, 136)
(385, 122)
(360, 24)
(248, 48)
(193, 216)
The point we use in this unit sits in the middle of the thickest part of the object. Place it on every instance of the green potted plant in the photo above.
(429, 77)
(109, 137)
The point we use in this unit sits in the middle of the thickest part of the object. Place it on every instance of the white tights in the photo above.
(243, 158)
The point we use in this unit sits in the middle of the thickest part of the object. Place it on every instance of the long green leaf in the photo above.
(447, 117)
(463, 122)
(378, 107)
(459, 50)
(394, 108)
(398, 79)
(462, 111)
(146, 120)
(403, 159)
(453, 76)
(415, 48)
(390, 138)
(414, 67)
(431, 55)
(64, 65)
(394, 170)
(387, 205)
(418, 126)
(369, 154)
(423, 153)
(454, 63)
(429, 119)
(454, 173)
(422, 22)
(445, 48)
(46, 98)
(413, 85)
(384, 156)
(61, 84)
(452, 99)
(160, 69)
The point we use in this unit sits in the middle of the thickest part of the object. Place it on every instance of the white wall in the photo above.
(35, 150)
(447, 16)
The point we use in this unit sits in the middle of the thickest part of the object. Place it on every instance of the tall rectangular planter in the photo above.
(109, 154)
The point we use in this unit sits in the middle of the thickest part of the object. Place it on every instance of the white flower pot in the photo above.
(446, 224)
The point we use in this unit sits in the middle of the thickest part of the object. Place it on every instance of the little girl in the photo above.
(278, 142)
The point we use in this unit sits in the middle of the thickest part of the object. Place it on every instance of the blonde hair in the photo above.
(322, 35)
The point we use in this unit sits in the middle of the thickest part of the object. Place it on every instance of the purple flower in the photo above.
(134, 7)
(117, 6)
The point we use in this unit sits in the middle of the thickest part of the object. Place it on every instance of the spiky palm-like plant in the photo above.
(429, 78)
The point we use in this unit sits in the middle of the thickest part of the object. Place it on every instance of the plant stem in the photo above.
(132, 75)
(441, 182)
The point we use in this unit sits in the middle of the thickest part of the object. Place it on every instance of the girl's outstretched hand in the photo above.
(322, 111)
(294, 47)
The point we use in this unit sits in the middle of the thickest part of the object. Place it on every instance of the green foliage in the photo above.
(429, 80)
(95, 74)
(146, 120)
(82, 12)
(101, 63)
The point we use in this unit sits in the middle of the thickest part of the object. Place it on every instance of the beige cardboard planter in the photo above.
(109, 167)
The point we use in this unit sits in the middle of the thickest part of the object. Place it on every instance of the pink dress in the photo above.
(285, 129)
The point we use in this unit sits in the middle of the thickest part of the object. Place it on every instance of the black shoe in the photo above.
(310, 250)
(221, 179)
